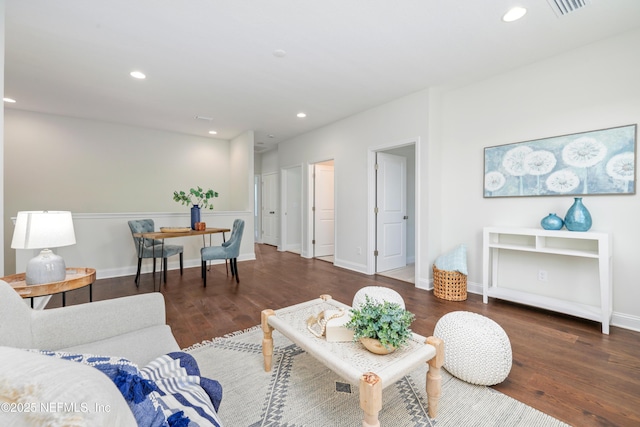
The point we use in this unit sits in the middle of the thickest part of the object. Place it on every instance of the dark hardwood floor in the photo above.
(562, 365)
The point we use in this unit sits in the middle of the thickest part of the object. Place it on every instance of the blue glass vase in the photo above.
(552, 222)
(578, 217)
(195, 216)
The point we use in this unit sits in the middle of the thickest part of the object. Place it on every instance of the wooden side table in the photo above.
(76, 278)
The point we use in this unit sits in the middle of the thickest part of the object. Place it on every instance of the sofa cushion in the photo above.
(50, 391)
(140, 346)
(126, 376)
(182, 392)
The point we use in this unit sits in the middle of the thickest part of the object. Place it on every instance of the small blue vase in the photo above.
(195, 216)
(578, 217)
(552, 222)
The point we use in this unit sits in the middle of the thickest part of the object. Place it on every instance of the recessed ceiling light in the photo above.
(514, 14)
(137, 75)
(279, 53)
(301, 115)
(9, 100)
(213, 132)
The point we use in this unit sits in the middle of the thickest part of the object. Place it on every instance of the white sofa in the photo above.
(132, 328)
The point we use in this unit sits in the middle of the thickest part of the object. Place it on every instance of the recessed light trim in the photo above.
(514, 14)
(301, 115)
(138, 75)
(9, 100)
(213, 132)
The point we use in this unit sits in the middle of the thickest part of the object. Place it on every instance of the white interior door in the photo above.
(324, 212)
(391, 224)
(270, 209)
(292, 205)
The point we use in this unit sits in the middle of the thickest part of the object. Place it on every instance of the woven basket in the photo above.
(449, 285)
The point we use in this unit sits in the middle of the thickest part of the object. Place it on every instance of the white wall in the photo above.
(594, 87)
(2, 215)
(105, 172)
(348, 142)
(589, 88)
(240, 177)
(269, 162)
(104, 242)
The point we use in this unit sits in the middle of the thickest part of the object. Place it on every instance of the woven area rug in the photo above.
(299, 391)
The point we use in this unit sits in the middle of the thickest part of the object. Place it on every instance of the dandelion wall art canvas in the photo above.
(595, 162)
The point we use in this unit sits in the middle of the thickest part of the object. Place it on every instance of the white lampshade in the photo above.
(43, 229)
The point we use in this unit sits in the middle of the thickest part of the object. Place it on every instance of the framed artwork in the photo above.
(595, 162)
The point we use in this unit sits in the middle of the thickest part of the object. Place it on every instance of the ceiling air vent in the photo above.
(565, 7)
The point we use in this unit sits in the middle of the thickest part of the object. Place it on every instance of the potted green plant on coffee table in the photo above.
(197, 198)
(380, 326)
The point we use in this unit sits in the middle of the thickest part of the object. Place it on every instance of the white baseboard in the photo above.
(360, 268)
(626, 321)
(147, 266)
(426, 284)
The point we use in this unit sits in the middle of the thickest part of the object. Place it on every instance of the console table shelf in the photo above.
(592, 245)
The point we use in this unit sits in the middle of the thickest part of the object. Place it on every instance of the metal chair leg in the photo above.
(181, 264)
(164, 269)
(235, 268)
(204, 273)
(137, 279)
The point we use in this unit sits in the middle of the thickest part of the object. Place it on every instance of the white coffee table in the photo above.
(351, 361)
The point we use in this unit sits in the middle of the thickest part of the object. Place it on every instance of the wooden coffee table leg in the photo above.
(434, 377)
(370, 399)
(267, 340)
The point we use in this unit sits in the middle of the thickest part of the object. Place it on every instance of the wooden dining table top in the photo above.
(189, 232)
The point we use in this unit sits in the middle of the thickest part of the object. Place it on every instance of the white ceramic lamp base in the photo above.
(47, 267)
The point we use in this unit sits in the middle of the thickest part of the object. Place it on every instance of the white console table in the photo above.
(561, 243)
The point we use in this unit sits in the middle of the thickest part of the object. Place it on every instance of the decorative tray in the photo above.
(175, 229)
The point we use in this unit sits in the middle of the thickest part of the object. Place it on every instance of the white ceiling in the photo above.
(215, 58)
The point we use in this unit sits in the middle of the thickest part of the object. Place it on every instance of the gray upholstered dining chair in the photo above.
(229, 250)
(152, 248)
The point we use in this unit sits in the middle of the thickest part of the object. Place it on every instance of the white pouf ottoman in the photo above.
(476, 349)
(378, 294)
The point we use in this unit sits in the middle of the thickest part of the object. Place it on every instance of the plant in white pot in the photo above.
(197, 198)
(385, 322)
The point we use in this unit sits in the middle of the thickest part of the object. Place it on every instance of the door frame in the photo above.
(311, 183)
(371, 201)
(257, 208)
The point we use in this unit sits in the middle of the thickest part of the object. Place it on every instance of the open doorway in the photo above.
(395, 207)
(323, 211)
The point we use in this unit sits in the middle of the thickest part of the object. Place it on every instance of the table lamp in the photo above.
(44, 230)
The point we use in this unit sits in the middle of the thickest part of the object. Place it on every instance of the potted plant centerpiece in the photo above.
(380, 327)
(197, 198)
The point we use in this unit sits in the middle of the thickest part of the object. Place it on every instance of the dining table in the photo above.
(171, 232)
